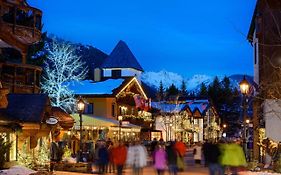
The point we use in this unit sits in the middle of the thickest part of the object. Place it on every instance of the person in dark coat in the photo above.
(103, 158)
(172, 158)
(212, 153)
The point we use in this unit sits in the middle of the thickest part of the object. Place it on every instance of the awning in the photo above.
(94, 122)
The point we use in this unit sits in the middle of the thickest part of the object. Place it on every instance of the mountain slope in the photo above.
(193, 83)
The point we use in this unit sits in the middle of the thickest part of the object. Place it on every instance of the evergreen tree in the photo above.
(183, 89)
(172, 91)
(160, 93)
(4, 149)
(203, 92)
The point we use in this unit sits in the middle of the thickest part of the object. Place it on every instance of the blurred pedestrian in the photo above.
(111, 166)
(153, 145)
(102, 158)
(232, 156)
(197, 153)
(137, 157)
(171, 158)
(212, 154)
(180, 148)
(119, 156)
(160, 159)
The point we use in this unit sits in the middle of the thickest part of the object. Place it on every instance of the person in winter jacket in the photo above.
(137, 157)
(232, 156)
(103, 158)
(171, 158)
(160, 159)
(197, 153)
(119, 157)
(180, 148)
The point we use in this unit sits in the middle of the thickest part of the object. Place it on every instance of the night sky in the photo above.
(182, 36)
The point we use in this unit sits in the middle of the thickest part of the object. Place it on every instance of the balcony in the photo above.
(20, 25)
(20, 78)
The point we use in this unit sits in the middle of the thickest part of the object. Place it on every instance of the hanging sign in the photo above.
(52, 121)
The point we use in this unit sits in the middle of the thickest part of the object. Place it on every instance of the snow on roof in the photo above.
(166, 107)
(201, 105)
(90, 87)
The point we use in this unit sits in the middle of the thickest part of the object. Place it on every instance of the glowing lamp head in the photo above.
(80, 105)
(244, 86)
(247, 121)
(224, 125)
(120, 117)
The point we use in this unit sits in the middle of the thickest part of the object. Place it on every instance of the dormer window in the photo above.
(116, 73)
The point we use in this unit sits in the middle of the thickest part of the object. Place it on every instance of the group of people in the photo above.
(222, 156)
(169, 155)
(112, 157)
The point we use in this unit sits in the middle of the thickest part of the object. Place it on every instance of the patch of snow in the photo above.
(90, 87)
(17, 170)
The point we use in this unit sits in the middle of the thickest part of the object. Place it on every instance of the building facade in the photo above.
(264, 36)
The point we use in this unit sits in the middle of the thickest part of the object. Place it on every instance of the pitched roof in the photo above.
(26, 107)
(121, 57)
(87, 87)
(252, 25)
(193, 105)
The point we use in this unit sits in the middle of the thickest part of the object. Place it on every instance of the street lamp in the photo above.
(244, 88)
(80, 109)
(120, 118)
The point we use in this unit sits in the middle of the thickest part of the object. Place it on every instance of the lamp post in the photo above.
(80, 109)
(244, 88)
(120, 118)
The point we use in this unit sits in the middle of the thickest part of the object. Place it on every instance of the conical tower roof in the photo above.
(121, 57)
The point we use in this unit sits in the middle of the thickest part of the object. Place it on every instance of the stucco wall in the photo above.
(272, 116)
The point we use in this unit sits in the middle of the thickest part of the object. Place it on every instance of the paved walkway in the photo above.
(191, 169)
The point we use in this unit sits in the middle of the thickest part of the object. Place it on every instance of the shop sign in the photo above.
(52, 121)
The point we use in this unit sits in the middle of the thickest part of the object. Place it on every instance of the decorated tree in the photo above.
(4, 149)
(60, 68)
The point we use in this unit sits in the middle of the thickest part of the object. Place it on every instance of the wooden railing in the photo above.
(20, 78)
(19, 17)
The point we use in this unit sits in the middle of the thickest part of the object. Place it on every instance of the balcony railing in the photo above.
(20, 17)
(20, 78)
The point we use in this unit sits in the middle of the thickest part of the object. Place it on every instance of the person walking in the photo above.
(197, 153)
(180, 148)
(171, 158)
(233, 156)
(160, 159)
(137, 157)
(119, 157)
(102, 158)
(212, 154)
(111, 166)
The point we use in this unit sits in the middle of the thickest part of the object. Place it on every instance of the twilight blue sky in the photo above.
(183, 36)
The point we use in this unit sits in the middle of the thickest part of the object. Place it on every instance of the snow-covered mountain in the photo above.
(193, 83)
(168, 78)
(154, 78)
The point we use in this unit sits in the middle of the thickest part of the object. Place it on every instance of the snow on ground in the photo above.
(17, 170)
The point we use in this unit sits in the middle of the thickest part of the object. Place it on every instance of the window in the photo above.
(113, 110)
(89, 108)
(116, 73)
